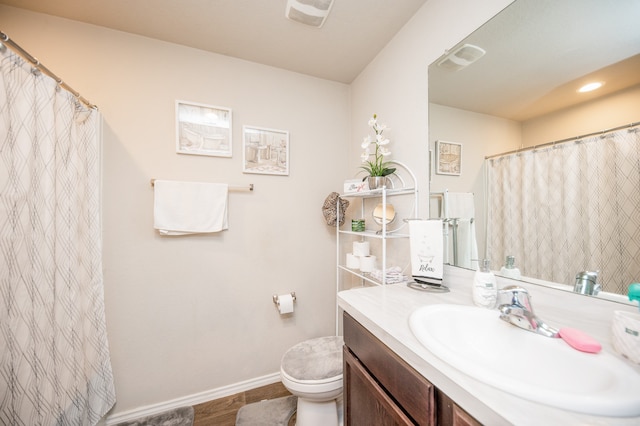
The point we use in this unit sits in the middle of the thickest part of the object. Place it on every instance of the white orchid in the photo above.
(366, 142)
(377, 167)
(380, 140)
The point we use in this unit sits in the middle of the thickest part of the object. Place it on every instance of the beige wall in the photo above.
(394, 85)
(192, 314)
(480, 135)
(618, 109)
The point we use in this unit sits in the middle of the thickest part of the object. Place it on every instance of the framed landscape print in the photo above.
(203, 129)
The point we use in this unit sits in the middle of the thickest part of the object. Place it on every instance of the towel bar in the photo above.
(231, 187)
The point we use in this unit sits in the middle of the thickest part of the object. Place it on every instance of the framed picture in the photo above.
(448, 158)
(203, 129)
(265, 151)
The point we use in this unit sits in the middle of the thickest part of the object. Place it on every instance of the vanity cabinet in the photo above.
(381, 389)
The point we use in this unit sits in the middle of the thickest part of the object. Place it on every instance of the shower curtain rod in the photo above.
(571, 139)
(4, 39)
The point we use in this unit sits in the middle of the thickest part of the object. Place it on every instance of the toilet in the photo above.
(312, 371)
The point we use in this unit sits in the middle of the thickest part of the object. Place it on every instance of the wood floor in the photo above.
(222, 412)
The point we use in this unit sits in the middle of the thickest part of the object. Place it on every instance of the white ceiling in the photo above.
(537, 50)
(255, 30)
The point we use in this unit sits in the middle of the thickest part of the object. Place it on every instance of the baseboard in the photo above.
(191, 400)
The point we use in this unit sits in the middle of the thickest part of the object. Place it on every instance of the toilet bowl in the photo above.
(312, 371)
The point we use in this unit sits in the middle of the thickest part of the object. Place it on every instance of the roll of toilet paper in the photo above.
(367, 263)
(285, 304)
(361, 248)
(353, 261)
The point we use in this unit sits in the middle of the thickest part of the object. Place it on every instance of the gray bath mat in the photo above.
(272, 412)
(178, 417)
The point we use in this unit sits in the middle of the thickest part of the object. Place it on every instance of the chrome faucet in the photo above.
(515, 308)
(586, 283)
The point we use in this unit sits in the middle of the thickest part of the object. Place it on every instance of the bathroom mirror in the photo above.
(536, 52)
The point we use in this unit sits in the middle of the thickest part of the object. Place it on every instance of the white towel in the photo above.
(393, 275)
(189, 207)
(458, 205)
(426, 244)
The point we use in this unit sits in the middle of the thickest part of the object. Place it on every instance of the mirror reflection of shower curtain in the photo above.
(569, 207)
(54, 359)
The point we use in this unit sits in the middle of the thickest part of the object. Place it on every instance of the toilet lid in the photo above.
(314, 359)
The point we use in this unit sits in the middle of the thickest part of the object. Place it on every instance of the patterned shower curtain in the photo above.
(568, 208)
(54, 359)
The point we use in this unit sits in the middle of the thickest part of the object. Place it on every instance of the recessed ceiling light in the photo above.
(591, 86)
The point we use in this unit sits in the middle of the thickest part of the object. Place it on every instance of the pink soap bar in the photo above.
(580, 340)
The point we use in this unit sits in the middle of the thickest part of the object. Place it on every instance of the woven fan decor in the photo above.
(330, 209)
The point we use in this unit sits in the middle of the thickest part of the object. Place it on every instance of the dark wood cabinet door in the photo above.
(462, 418)
(411, 391)
(450, 414)
(366, 403)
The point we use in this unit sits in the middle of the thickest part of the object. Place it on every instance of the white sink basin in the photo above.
(541, 369)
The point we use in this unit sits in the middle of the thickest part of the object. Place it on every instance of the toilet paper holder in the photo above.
(276, 300)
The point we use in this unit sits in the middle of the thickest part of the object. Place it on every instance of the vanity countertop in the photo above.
(385, 311)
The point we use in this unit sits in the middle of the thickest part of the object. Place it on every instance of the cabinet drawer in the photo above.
(414, 393)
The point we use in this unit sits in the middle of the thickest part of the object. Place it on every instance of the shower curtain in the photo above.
(569, 207)
(54, 359)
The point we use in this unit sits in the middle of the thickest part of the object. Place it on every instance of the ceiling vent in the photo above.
(309, 12)
(461, 57)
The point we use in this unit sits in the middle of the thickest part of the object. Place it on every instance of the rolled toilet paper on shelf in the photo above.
(367, 263)
(285, 304)
(361, 248)
(353, 261)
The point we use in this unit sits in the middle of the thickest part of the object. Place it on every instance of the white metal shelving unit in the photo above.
(402, 183)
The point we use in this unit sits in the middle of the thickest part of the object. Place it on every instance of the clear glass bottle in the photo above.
(509, 269)
(485, 287)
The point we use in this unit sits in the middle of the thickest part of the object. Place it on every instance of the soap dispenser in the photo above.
(509, 269)
(485, 287)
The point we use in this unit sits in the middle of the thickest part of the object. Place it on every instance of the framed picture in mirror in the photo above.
(448, 158)
(203, 129)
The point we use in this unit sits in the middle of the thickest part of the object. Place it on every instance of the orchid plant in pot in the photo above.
(374, 154)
